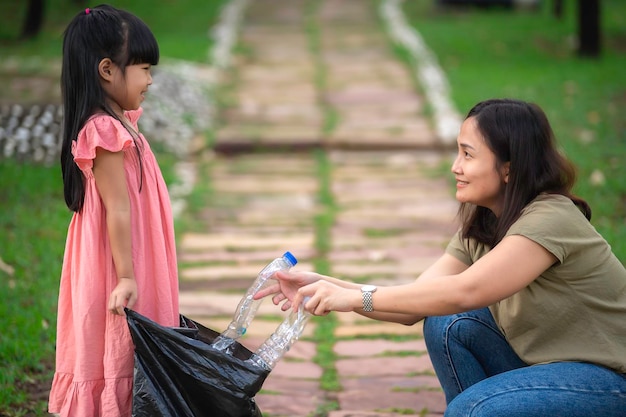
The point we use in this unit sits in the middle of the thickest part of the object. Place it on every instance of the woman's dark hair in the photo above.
(518, 133)
(95, 34)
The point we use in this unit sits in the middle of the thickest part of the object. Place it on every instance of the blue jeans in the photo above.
(482, 376)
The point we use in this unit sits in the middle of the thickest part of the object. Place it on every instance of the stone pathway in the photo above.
(322, 107)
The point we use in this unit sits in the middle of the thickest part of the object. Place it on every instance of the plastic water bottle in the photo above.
(279, 343)
(247, 307)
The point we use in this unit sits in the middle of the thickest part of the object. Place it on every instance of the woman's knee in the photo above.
(435, 326)
(457, 325)
(561, 388)
(465, 406)
(474, 403)
(436, 332)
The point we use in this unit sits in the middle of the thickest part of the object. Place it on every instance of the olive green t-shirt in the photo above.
(575, 310)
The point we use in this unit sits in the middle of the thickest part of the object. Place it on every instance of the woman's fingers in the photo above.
(264, 292)
(307, 296)
(276, 299)
(322, 297)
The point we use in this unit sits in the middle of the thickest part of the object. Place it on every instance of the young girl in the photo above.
(552, 341)
(120, 248)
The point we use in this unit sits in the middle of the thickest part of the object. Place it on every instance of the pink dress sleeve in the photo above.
(101, 131)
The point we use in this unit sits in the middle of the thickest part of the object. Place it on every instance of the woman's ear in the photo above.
(105, 69)
(505, 172)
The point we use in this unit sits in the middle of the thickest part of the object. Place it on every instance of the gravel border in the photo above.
(427, 70)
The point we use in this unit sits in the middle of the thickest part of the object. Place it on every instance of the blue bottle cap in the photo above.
(289, 256)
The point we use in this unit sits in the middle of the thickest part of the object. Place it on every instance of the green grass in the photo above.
(181, 27)
(33, 222)
(530, 55)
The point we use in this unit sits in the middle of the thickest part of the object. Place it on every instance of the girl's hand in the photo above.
(322, 297)
(286, 286)
(123, 295)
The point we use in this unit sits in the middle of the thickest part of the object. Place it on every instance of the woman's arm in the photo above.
(445, 265)
(513, 264)
(288, 284)
(108, 171)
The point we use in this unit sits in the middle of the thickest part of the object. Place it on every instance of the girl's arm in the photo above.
(108, 171)
(513, 264)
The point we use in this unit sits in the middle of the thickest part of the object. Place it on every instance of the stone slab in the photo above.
(378, 347)
(384, 366)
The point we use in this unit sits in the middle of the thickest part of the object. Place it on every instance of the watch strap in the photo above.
(368, 304)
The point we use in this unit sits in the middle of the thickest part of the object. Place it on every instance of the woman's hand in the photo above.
(286, 286)
(123, 295)
(322, 297)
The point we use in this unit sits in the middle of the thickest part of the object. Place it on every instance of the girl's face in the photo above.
(126, 90)
(478, 181)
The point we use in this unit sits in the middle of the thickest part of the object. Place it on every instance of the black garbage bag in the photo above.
(179, 374)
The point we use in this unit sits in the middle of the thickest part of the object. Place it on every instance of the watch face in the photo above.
(368, 288)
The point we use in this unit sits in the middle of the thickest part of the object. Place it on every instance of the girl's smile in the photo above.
(127, 88)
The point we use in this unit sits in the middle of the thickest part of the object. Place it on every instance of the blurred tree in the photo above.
(34, 19)
(557, 8)
(589, 28)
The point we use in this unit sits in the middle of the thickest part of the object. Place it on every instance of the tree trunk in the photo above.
(589, 28)
(557, 8)
(34, 19)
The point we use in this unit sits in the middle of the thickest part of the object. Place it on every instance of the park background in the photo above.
(529, 54)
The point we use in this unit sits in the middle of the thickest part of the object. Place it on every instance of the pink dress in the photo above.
(94, 350)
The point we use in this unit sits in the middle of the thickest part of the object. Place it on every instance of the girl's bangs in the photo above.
(142, 46)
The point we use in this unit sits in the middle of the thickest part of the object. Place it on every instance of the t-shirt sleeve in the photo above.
(457, 249)
(100, 132)
(556, 224)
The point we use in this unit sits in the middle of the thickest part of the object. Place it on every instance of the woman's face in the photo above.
(478, 180)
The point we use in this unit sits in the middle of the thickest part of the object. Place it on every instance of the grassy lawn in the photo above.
(531, 56)
(181, 27)
(33, 222)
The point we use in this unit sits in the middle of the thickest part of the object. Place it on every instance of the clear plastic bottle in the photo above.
(279, 343)
(247, 307)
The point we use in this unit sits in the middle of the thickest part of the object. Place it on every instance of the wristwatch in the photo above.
(367, 291)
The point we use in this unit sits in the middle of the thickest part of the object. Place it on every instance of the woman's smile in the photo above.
(476, 165)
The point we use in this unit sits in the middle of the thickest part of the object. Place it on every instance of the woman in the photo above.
(526, 310)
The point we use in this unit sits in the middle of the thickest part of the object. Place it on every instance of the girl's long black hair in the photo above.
(519, 133)
(95, 34)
